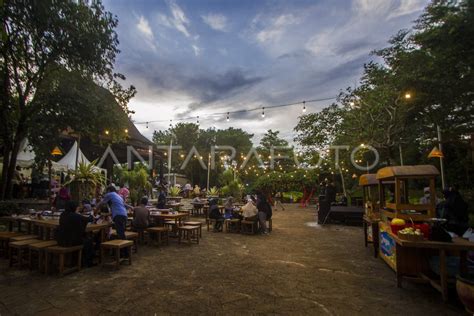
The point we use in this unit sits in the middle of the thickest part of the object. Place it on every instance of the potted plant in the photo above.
(85, 181)
(213, 192)
(174, 194)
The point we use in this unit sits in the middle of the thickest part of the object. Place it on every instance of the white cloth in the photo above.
(249, 210)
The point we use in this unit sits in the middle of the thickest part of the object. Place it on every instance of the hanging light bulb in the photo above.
(304, 106)
(197, 121)
(146, 124)
(263, 112)
(171, 123)
(227, 116)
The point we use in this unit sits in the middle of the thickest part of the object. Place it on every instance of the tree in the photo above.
(67, 101)
(38, 35)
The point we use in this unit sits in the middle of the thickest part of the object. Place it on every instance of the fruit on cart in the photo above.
(411, 231)
(397, 222)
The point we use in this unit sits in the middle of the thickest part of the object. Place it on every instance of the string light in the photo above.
(227, 116)
(171, 123)
(146, 124)
(242, 111)
(263, 112)
(304, 106)
(197, 120)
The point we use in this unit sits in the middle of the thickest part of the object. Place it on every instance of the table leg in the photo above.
(463, 262)
(443, 273)
(398, 255)
(365, 233)
(10, 226)
(375, 239)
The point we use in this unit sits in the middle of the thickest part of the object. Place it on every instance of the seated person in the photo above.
(86, 210)
(249, 211)
(229, 207)
(141, 215)
(196, 199)
(215, 214)
(71, 231)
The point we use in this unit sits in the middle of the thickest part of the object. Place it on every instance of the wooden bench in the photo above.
(133, 236)
(190, 233)
(232, 225)
(212, 221)
(116, 245)
(23, 237)
(194, 223)
(161, 234)
(16, 250)
(248, 227)
(4, 240)
(62, 252)
(40, 249)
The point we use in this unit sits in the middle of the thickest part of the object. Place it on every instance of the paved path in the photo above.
(301, 268)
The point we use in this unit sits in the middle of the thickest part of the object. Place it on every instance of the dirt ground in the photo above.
(300, 268)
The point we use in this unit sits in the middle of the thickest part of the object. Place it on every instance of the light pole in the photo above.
(208, 170)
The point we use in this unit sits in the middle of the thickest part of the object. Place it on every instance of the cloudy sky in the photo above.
(196, 58)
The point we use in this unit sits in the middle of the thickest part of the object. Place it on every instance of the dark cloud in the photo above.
(203, 86)
(355, 46)
(213, 87)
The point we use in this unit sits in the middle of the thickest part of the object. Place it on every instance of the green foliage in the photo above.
(188, 135)
(85, 180)
(137, 180)
(214, 191)
(433, 63)
(174, 191)
(41, 39)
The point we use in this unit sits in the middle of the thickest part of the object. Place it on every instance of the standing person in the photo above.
(277, 199)
(124, 193)
(264, 213)
(62, 197)
(161, 204)
(118, 209)
(330, 193)
(455, 211)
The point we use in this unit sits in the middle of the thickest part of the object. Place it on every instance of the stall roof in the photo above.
(407, 171)
(368, 179)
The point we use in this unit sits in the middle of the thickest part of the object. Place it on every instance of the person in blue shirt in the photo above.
(118, 209)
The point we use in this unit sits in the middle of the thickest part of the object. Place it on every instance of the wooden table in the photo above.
(176, 217)
(371, 233)
(174, 206)
(46, 227)
(198, 208)
(411, 260)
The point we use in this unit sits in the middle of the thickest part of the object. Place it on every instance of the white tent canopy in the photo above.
(69, 160)
(26, 155)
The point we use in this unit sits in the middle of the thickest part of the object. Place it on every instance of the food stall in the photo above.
(404, 233)
(371, 218)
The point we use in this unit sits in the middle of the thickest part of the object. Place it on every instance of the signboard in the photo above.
(387, 246)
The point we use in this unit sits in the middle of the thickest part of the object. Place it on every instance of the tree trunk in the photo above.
(6, 164)
(12, 166)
